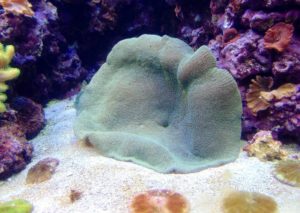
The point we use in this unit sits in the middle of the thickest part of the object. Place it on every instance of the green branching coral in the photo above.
(6, 72)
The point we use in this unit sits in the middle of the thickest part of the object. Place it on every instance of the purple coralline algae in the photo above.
(286, 66)
(28, 115)
(262, 21)
(15, 151)
(265, 43)
(40, 46)
(22, 121)
(282, 117)
(244, 57)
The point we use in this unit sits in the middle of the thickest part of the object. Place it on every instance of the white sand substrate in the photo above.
(108, 185)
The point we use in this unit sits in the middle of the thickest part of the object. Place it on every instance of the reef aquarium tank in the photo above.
(149, 106)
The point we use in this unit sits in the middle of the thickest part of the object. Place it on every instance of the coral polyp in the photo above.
(288, 172)
(248, 202)
(159, 201)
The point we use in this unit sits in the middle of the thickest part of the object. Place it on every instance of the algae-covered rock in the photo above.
(159, 104)
(16, 206)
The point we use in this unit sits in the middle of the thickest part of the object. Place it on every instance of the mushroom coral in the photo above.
(260, 95)
(42, 171)
(163, 201)
(279, 36)
(158, 103)
(17, 7)
(6, 72)
(250, 202)
(257, 96)
(288, 172)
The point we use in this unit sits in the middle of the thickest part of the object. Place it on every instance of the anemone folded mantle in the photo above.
(159, 104)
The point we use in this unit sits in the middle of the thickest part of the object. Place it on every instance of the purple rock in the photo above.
(40, 47)
(287, 65)
(262, 21)
(245, 57)
(15, 151)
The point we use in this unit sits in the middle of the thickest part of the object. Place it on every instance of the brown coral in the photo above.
(279, 36)
(265, 147)
(42, 171)
(160, 201)
(288, 172)
(284, 91)
(250, 202)
(17, 7)
(260, 94)
(257, 98)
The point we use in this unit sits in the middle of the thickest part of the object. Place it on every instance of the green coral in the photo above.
(6, 72)
(158, 103)
(16, 206)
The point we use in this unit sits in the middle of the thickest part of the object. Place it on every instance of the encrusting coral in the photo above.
(6, 72)
(250, 202)
(265, 147)
(279, 36)
(268, 45)
(17, 7)
(151, 103)
(163, 201)
(288, 172)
